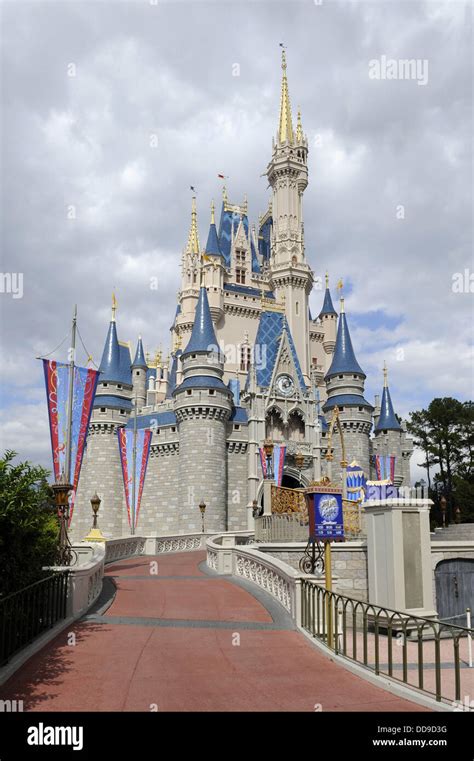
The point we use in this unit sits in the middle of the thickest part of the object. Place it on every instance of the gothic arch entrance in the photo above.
(291, 482)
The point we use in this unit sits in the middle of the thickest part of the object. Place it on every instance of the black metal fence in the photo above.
(423, 653)
(26, 614)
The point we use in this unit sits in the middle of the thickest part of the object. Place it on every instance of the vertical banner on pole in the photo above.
(355, 482)
(279, 453)
(143, 441)
(57, 379)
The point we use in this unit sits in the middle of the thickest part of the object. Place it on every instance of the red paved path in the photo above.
(130, 667)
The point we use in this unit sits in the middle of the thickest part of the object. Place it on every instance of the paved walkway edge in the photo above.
(384, 682)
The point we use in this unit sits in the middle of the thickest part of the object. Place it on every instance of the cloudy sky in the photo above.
(111, 110)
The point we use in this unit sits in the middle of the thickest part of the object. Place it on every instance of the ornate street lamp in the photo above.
(95, 534)
(268, 447)
(61, 491)
(299, 462)
(202, 507)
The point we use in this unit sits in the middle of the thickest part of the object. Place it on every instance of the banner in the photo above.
(385, 467)
(142, 452)
(57, 378)
(325, 513)
(279, 453)
(355, 482)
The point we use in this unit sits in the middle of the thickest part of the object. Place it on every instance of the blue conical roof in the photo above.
(328, 306)
(140, 360)
(387, 420)
(344, 360)
(203, 337)
(212, 246)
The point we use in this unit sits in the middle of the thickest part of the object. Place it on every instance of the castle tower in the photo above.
(139, 372)
(190, 270)
(203, 404)
(101, 470)
(328, 317)
(345, 388)
(287, 172)
(213, 269)
(388, 432)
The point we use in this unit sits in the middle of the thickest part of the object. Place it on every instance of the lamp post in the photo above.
(268, 447)
(299, 462)
(95, 534)
(61, 491)
(202, 507)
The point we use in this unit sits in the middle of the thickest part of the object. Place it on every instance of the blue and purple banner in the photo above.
(57, 379)
(385, 467)
(142, 452)
(355, 482)
(279, 453)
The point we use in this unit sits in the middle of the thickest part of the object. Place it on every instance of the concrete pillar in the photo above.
(267, 496)
(399, 555)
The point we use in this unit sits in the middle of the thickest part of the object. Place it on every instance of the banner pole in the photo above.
(134, 464)
(70, 400)
(328, 582)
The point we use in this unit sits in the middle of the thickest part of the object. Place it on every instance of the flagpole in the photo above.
(70, 400)
(134, 463)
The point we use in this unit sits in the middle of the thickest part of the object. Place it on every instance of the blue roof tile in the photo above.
(387, 420)
(328, 306)
(212, 246)
(344, 360)
(139, 360)
(267, 342)
(239, 415)
(346, 400)
(154, 420)
(111, 400)
(115, 362)
(201, 381)
(172, 375)
(247, 290)
(203, 337)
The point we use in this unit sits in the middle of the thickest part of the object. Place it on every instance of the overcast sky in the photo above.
(87, 86)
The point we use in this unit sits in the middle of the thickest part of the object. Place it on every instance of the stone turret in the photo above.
(139, 372)
(388, 433)
(202, 404)
(213, 270)
(345, 388)
(328, 317)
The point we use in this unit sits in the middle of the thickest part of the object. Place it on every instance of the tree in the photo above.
(445, 433)
(28, 524)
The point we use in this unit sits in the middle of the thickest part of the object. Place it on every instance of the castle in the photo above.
(249, 362)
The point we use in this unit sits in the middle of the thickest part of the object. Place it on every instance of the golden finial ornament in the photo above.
(342, 304)
(213, 219)
(285, 132)
(193, 238)
(114, 306)
(385, 375)
(327, 280)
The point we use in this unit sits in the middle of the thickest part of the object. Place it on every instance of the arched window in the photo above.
(296, 428)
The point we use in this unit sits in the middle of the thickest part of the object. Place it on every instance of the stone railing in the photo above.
(125, 547)
(226, 556)
(287, 527)
(85, 578)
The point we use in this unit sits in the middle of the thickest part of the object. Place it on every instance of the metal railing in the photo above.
(287, 527)
(26, 614)
(425, 654)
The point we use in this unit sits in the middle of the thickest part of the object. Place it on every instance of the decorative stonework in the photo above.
(177, 544)
(266, 578)
(95, 585)
(117, 549)
(212, 560)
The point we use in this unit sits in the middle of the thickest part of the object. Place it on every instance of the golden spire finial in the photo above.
(285, 132)
(177, 343)
(114, 306)
(158, 357)
(385, 375)
(299, 128)
(193, 238)
(213, 219)
(224, 194)
(342, 304)
(327, 280)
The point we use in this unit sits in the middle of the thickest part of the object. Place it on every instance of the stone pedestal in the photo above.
(399, 555)
(267, 496)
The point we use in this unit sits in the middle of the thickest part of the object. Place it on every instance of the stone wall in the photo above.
(236, 486)
(349, 564)
(160, 508)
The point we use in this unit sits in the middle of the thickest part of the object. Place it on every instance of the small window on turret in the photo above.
(189, 392)
(236, 427)
(137, 372)
(360, 409)
(102, 409)
(122, 412)
(173, 429)
(119, 385)
(340, 376)
(105, 385)
(212, 392)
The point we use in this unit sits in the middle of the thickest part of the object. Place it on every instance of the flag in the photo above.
(221, 176)
(340, 284)
(142, 452)
(279, 453)
(385, 468)
(57, 380)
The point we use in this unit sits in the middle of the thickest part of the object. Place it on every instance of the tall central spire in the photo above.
(193, 238)
(285, 132)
